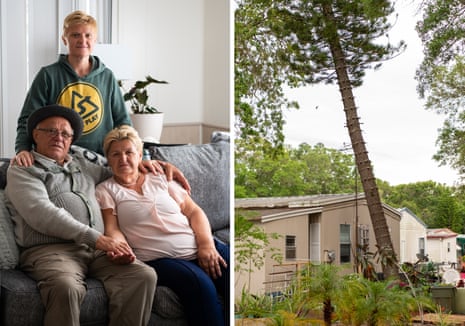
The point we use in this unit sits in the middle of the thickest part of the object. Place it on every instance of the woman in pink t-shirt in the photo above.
(166, 229)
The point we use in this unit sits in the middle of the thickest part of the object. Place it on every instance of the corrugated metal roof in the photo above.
(294, 201)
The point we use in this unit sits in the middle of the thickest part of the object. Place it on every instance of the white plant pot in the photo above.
(148, 125)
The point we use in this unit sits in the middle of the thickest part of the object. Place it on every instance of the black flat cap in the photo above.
(56, 110)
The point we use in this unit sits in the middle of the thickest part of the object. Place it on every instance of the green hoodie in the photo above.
(96, 97)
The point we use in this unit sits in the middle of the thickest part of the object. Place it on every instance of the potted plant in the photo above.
(146, 119)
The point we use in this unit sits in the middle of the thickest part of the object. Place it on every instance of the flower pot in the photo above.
(148, 125)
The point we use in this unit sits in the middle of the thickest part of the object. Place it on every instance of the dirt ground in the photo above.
(433, 319)
(428, 319)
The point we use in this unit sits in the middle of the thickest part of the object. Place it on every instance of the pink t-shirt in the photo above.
(152, 223)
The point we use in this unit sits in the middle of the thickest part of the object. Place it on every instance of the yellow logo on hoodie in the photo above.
(85, 99)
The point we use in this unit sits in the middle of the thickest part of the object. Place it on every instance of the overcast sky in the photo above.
(400, 134)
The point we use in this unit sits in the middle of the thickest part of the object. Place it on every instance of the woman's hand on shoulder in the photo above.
(152, 166)
(23, 158)
(169, 170)
(173, 173)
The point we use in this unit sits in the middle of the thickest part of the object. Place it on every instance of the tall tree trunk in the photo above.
(364, 167)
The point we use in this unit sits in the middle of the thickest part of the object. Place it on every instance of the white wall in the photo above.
(13, 69)
(218, 58)
(411, 230)
(186, 42)
(437, 250)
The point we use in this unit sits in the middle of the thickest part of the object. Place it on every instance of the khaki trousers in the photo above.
(61, 270)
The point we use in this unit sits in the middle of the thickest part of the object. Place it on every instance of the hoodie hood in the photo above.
(97, 65)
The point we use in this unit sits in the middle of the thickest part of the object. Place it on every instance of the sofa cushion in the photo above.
(19, 293)
(22, 302)
(4, 162)
(206, 167)
(9, 250)
(166, 303)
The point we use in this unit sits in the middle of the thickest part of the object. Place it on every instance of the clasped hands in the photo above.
(118, 251)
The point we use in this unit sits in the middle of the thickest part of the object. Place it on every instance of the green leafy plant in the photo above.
(443, 317)
(252, 245)
(138, 96)
(253, 306)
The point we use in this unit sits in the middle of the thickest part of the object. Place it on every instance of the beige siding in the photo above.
(293, 221)
(297, 226)
(345, 214)
(333, 217)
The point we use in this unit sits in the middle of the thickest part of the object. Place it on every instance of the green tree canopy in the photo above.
(441, 75)
(438, 205)
(304, 170)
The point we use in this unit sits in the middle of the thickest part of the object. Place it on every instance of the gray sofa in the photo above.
(207, 169)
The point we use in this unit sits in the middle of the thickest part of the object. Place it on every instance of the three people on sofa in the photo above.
(52, 199)
(59, 226)
(165, 228)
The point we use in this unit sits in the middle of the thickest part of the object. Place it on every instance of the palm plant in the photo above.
(365, 302)
(323, 283)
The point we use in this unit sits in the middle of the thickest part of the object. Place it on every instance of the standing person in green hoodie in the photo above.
(80, 81)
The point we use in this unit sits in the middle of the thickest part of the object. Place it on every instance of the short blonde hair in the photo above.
(78, 17)
(122, 133)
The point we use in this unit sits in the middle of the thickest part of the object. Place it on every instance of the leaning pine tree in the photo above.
(330, 41)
